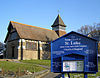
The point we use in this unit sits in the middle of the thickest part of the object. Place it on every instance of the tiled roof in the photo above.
(58, 21)
(32, 32)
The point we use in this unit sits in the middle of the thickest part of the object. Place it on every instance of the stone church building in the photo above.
(26, 42)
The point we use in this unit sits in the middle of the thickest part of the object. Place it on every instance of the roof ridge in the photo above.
(29, 25)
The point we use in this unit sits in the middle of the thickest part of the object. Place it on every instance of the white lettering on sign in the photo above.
(73, 43)
(76, 43)
(91, 64)
(67, 39)
(73, 39)
(58, 52)
(89, 51)
(56, 64)
(73, 49)
(81, 46)
(66, 43)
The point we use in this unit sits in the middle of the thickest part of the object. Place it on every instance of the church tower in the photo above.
(59, 27)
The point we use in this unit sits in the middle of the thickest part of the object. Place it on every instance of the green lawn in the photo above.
(12, 66)
(32, 66)
(40, 62)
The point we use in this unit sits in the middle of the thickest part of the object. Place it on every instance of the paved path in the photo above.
(47, 67)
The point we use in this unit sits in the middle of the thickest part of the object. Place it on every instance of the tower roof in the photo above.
(58, 21)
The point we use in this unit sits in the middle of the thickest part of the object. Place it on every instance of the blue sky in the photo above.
(42, 13)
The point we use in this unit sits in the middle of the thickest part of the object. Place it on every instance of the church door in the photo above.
(13, 51)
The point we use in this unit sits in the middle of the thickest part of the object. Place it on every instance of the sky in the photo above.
(42, 13)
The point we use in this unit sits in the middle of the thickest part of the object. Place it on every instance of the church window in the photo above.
(31, 46)
(13, 36)
(46, 47)
(13, 51)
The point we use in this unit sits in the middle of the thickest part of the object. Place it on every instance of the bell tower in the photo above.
(59, 27)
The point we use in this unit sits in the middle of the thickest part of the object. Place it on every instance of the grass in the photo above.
(12, 66)
(29, 65)
(40, 62)
(47, 63)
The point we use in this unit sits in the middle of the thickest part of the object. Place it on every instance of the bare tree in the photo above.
(98, 26)
(1, 46)
(93, 30)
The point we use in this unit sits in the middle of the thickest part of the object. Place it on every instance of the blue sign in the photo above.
(74, 52)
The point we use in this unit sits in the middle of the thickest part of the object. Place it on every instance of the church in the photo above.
(26, 42)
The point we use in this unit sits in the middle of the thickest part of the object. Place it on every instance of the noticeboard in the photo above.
(74, 48)
(73, 66)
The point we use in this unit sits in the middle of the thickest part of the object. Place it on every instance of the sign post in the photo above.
(85, 75)
(63, 75)
(68, 75)
(74, 53)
